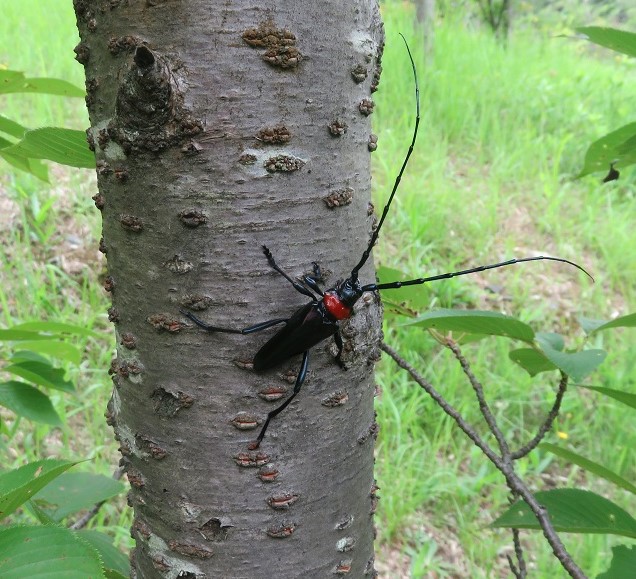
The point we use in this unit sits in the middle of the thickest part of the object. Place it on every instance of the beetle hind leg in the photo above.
(300, 379)
(248, 330)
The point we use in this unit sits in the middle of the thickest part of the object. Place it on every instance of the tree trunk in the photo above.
(425, 12)
(218, 128)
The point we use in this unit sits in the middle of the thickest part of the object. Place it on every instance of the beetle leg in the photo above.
(248, 330)
(302, 374)
(313, 284)
(338, 339)
(297, 286)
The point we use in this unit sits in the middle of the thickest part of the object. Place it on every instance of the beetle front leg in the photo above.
(298, 287)
(338, 339)
(302, 374)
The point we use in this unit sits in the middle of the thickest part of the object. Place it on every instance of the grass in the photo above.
(503, 132)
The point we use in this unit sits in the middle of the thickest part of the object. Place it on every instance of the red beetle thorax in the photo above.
(333, 304)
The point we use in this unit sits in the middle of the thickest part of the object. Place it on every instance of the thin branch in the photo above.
(515, 484)
(489, 417)
(84, 519)
(547, 425)
(445, 406)
(523, 571)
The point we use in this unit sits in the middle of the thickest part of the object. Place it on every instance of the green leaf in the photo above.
(15, 334)
(532, 361)
(476, 322)
(617, 40)
(577, 365)
(623, 563)
(9, 79)
(628, 321)
(606, 150)
(46, 553)
(55, 349)
(12, 81)
(590, 325)
(11, 127)
(56, 328)
(64, 146)
(624, 397)
(412, 297)
(41, 373)
(113, 559)
(572, 511)
(19, 485)
(27, 401)
(74, 491)
(556, 341)
(590, 466)
(33, 166)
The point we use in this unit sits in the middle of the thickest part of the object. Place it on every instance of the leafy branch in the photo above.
(560, 510)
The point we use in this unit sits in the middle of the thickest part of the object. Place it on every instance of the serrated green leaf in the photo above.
(40, 514)
(572, 511)
(577, 365)
(64, 146)
(606, 150)
(74, 491)
(532, 361)
(612, 38)
(623, 563)
(19, 485)
(46, 553)
(29, 402)
(11, 127)
(589, 465)
(624, 397)
(41, 373)
(476, 322)
(56, 328)
(116, 563)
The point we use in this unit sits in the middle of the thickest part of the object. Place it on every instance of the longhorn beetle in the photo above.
(318, 319)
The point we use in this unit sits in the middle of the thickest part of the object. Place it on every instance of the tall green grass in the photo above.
(503, 132)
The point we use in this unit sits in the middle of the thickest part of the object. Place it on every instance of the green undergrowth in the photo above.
(503, 132)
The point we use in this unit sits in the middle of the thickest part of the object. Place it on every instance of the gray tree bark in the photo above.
(217, 128)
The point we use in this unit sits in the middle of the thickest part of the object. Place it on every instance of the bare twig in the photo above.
(515, 484)
(547, 425)
(481, 399)
(523, 571)
(84, 519)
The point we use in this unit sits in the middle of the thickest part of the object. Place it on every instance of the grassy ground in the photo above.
(503, 132)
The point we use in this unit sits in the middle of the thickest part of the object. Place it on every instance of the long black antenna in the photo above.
(374, 237)
(398, 284)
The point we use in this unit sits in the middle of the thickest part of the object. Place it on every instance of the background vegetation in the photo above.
(504, 130)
